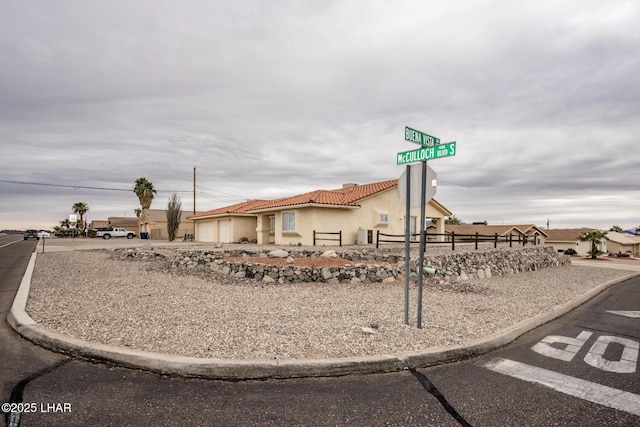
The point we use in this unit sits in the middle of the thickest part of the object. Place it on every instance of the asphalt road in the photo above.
(56, 390)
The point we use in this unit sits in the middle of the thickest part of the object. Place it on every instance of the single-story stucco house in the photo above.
(623, 243)
(356, 211)
(154, 222)
(562, 239)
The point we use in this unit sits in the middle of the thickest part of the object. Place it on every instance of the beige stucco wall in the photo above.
(349, 220)
(238, 227)
(614, 247)
(243, 227)
(581, 248)
(158, 229)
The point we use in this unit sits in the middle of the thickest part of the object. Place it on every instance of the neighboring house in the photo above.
(128, 223)
(534, 232)
(154, 222)
(569, 238)
(355, 210)
(623, 243)
(534, 235)
(227, 224)
(99, 223)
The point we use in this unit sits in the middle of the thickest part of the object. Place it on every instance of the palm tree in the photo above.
(453, 220)
(616, 228)
(145, 192)
(595, 237)
(80, 208)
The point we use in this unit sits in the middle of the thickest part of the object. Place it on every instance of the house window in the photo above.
(288, 221)
(272, 224)
(383, 218)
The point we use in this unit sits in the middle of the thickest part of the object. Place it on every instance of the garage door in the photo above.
(225, 231)
(204, 231)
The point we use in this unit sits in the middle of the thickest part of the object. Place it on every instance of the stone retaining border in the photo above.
(451, 268)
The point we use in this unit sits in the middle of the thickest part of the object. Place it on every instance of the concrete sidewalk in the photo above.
(213, 368)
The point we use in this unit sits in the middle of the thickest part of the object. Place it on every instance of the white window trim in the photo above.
(282, 215)
(380, 220)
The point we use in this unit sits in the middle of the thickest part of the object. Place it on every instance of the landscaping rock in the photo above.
(278, 253)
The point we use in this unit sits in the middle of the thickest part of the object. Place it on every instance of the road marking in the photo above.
(632, 314)
(573, 345)
(627, 362)
(592, 392)
(10, 243)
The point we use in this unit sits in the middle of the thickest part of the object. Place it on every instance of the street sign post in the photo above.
(426, 153)
(420, 138)
(431, 149)
(416, 185)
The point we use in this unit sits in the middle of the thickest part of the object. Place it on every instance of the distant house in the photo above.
(569, 238)
(128, 223)
(623, 243)
(532, 233)
(355, 210)
(154, 222)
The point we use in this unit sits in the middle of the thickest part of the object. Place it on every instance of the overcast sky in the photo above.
(272, 99)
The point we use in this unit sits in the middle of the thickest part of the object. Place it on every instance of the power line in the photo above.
(235, 196)
(44, 184)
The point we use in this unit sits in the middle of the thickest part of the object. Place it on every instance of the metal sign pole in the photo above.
(423, 202)
(407, 244)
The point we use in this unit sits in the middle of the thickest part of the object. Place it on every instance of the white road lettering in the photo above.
(592, 392)
(628, 360)
(632, 314)
(572, 346)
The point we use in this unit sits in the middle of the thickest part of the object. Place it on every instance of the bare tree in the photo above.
(174, 212)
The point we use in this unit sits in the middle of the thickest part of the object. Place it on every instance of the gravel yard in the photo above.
(143, 305)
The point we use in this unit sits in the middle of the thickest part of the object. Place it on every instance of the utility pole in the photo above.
(194, 190)
(194, 199)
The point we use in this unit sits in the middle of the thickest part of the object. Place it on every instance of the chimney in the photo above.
(349, 185)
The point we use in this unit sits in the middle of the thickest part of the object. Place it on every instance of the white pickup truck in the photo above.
(116, 232)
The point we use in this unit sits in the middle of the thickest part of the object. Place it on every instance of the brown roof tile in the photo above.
(349, 196)
(566, 234)
(481, 229)
(238, 208)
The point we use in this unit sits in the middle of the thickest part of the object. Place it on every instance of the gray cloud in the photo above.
(269, 100)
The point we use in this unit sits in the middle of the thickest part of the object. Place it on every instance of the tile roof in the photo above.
(622, 238)
(349, 196)
(481, 229)
(566, 234)
(501, 230)
(238, 208)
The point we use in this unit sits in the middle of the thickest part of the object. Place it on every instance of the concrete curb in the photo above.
(227, 369)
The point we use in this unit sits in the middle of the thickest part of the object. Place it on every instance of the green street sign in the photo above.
(426, 153)
(420, 137)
